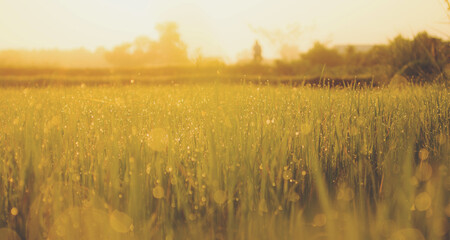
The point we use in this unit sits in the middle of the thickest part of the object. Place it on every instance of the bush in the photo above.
(421, 58)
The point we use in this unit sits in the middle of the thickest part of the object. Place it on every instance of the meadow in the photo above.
(222, 161)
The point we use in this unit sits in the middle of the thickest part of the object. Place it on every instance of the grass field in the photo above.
(224, 162)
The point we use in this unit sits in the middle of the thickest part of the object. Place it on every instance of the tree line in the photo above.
(422, 56)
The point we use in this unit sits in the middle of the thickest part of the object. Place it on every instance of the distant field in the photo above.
(36, 77)
(224, 162)
(127, 80)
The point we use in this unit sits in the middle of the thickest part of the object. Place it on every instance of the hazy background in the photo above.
(224, 29)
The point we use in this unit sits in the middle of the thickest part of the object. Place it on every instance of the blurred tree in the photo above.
(170, 47)
(169, 50)
(377, 55)
(401, 52)
(321, 55)
(257, 53)
(420, 57)
(122, 56)
(352, 57)
(283, 39)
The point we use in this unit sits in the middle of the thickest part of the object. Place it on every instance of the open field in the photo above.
(224, 162)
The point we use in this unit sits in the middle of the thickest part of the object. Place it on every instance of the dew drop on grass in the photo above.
(219, 197)
(423, 154)
(14, 211)
(423, 201)
(173, 181)
(365, 150)
(120, 221)
(158, 192)
(287, 174)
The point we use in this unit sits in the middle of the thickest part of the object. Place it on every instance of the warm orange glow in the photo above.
(219, 28)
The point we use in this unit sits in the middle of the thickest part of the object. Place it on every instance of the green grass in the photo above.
(224, 162)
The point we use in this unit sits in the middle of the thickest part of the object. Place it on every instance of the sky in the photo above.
(225, 28)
